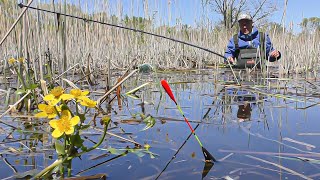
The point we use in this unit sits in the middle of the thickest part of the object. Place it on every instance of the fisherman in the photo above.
(249, 47)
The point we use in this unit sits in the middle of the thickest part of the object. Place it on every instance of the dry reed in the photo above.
(120, 47)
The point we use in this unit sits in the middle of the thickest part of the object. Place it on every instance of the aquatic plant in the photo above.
(24, 77)
(66, 125)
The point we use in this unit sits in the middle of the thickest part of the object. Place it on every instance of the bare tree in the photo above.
(230, 9)
(311, 24)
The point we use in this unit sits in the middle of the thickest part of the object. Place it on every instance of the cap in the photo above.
(244, 16)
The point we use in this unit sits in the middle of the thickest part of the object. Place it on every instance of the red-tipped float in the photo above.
(167, 88)
(207, 155)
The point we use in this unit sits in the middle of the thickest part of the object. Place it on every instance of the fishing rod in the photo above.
(122, 27)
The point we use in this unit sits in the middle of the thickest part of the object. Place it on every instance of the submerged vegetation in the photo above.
(62, 76)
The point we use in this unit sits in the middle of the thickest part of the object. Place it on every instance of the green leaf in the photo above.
(116, 151)
(142, 116)
(84, 127)
(20, 91)
(151, 156)
(33, 86)
(76, 140)
(64, 107)
(48, 76)
(59, 148)
(83, 148)
(139, 153)
(20, 131)
(150, 122)
(82, 117)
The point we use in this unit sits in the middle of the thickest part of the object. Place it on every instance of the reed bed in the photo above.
(60, 44)
(41, 33)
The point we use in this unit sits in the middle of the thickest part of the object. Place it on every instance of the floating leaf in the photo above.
(116, 151)
(152, 156)
(150, 122)
(139, 153)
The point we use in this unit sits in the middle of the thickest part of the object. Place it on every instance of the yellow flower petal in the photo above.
(54, 102)
(66, 96)
(84, 93)
(50, 116)
(54, 123)
(41, 115)
(75, 120)
(58, 108)
(75, 92)
(70, 130)
(57, 91)
(66, 113)
(42, 107)
(56, 133)
(88, 102)
(21, 60)
(49, 97)
(84, 98)
(12, 60)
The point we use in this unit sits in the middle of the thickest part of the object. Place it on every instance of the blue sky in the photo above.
(190, 11)
(297, 10)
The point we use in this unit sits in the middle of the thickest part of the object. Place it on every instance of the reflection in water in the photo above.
(206, 168)
(208, 100)
(244, 110)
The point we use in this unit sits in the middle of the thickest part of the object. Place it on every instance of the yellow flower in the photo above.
(105, 119)
(88, 102)
(55, 96)
(12, 61)
(47, 111)
(21, 60)
(78, 94)
(64, 125)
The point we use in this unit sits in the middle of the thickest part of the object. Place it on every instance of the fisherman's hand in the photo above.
(275, 54)
(230, 59)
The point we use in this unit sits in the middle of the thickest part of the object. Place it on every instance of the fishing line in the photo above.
(123, 27)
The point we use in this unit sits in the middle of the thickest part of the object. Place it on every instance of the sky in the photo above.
(190, 11)
(171, 12)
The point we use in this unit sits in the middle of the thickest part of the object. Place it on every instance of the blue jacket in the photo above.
(244, 42)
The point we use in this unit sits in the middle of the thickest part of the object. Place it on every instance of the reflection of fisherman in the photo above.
(244, 111)
(244, 46)
(245, 100)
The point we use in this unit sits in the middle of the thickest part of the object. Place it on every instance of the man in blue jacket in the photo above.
(250, 47)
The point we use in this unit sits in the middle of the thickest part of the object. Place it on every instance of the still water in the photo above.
(261, 130)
